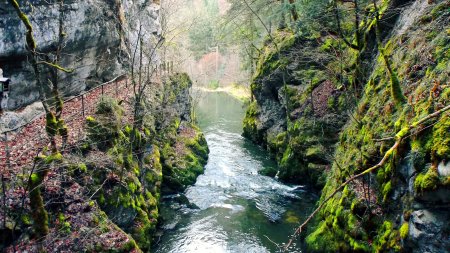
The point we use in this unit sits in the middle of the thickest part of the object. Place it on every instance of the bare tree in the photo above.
(54, 124)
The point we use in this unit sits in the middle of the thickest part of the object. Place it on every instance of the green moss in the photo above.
(31, 43)
(64, 225)
(439, 10)
(51, 124)
(427, 181)
(387, 188)
(322, 239)
(387, 238)
(38, 212)
(441, 139)
(250, 123)
(404, 229)
(106, 126)
(272, 57)
(184, 160)
(82, 167)
(329, 45)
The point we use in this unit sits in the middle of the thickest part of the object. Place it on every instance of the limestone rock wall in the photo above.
(99, 36)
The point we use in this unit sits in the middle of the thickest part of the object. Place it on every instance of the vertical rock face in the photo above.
(99, 35)
(298, 108)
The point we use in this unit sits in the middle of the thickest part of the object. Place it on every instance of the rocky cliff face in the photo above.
(298, 108)
(102, 194)
(404, 204)
(98, 37)
(184, 151)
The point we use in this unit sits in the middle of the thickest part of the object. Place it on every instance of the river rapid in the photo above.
(231, 208)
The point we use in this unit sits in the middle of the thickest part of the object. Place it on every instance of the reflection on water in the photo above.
(231, 207)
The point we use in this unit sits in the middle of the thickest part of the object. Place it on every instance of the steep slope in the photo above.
(102, 194)
(404, 205)
(322, 129)
(300, 104)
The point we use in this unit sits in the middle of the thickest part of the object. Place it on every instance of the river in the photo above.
(232, 208)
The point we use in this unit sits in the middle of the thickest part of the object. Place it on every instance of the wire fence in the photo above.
(19, 146)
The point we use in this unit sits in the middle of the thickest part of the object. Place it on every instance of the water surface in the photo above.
(231, 207)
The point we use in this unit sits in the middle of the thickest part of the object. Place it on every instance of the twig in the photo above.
(384, 139)
(270, 240)
(399, 137)
(101, 186)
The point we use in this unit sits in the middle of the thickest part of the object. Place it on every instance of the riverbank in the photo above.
(231, 207)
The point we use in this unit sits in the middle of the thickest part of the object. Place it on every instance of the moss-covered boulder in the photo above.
(183, 156)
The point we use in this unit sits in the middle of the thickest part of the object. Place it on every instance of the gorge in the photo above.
(225, 126)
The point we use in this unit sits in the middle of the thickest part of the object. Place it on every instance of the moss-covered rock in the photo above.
(298, 108)
(183, 156)
(371, 132)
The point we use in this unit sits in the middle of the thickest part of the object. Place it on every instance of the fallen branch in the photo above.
(399, 137)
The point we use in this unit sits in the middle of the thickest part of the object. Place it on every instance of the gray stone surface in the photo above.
(11, 120)
(429, 231)
(444, 169)
(99, 36)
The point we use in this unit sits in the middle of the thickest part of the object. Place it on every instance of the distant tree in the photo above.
(357, 34)
(396, 90)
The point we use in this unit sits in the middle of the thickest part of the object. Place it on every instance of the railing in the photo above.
(19, 146)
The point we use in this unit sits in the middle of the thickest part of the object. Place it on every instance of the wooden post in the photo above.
(102, 89)
(312, 99)
(117, 89)
(5, 210)
(8, 160)
(82, 103)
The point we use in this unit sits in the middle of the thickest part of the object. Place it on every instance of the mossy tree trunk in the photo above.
(38, 211)
(396, 90)
(61, 126)
(54, 123)
(358, 45)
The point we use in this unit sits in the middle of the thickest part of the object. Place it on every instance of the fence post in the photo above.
(82, 103)
(117, 89)
(8, 161)
(102, 89)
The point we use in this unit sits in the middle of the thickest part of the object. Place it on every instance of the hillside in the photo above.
(323, 129)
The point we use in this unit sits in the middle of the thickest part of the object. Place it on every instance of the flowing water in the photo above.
(231, 208)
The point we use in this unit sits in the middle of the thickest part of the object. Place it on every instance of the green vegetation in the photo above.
(173, 158)
(427, 181)
(348, 130)
(404, 229)
(214, 85)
